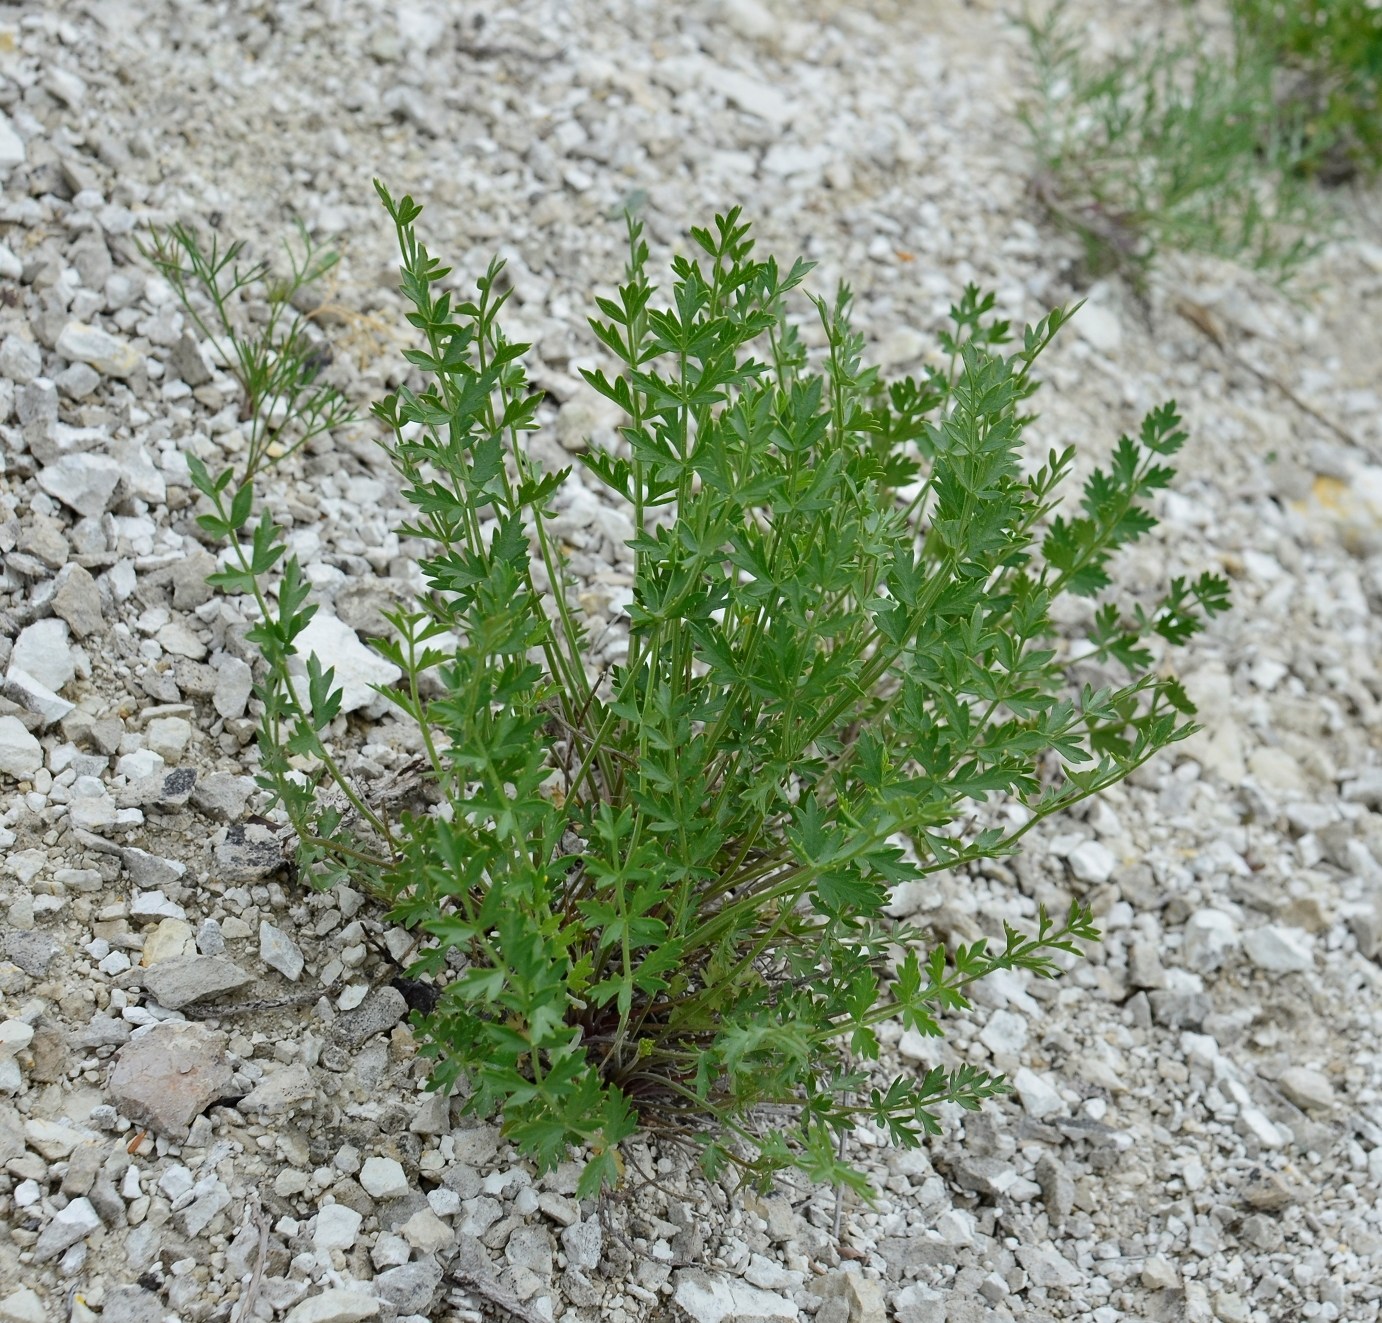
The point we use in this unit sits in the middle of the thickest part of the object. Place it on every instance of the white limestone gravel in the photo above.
(1197, 1128)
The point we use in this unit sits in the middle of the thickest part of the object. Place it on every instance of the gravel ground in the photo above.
(211, 1106)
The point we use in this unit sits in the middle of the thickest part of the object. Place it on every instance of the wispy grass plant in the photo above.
(1180, 142)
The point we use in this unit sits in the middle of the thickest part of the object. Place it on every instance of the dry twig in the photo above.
(1203, 320)
(244, 1307)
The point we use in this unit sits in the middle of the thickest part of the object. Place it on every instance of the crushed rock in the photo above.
(1195, 1130)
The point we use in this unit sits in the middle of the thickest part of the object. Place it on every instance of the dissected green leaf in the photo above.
(657, 893)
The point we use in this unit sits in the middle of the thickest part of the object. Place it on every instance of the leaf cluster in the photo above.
(656, 896)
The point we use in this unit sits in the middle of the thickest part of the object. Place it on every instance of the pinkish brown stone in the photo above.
(167, 1077)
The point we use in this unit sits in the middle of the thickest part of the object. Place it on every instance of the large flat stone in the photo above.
(186, 980)
(165, 1078)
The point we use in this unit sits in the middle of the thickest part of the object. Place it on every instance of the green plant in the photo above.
(1169, 146)
(656, 897)
(1328, 57)
(249, 319)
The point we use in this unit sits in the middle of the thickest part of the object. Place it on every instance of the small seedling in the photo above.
(277, 362)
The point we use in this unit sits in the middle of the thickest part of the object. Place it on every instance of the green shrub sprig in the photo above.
(655, 896)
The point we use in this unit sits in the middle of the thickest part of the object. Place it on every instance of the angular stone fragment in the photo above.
(584, 1243)
(361, 605)
(337, 1228)
(755, 96)
(1269, 1192)
(1092, 862)
(1057, 1188)
(92, 261)
(187, 361)
(280, 952)
(186, 980)
(580, 1290)
(1047, 1268)
(1365, 788)
(210, 1197)
(1144, 966)
(859, 1296)
(334, 1306)
(1210, 935)
(161, 685)
(530, 1248)
(1158, 1274)
(84, 482)
(15, 1036)
(11, 144)
(1280, 950)
(180, 639)
(357, 668)
(190, 588)
(923, 1304)
(91, 809)
(21, 360)
(712, 1298)
(411, 1287)
(1005, 1033)
(77, 600)
(44, 538)
(162, 790)
(1039, 1097)
(155, 905)
(101, 1031)
(167, 1076)
(1307, 1088)
(1180, 1010)
(426, 1232)
(168, 737)
(210, 939)
(475, 1145)
(33, 952)
(985, 1176)
(24, 1306)
(222, 795)
(44, 651)
(282, 1092)
(21, 755)
(377, 1014)
(54, 1141)
(148, 870)
(132, 1304)
(249, 853)
(384, 1178)
(22, 688)
(234, 682)
(83, 1168)
(169, 940)
(80, 343)
(772, 1276)
(69, 1225)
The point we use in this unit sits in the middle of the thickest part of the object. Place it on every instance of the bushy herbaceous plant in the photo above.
(653, 895)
